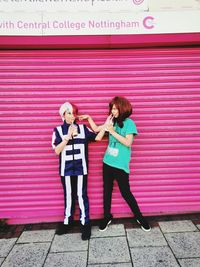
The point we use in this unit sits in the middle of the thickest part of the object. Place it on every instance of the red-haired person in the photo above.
(70, 142)
(122, 131)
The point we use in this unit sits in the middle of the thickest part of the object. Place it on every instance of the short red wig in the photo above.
(124, 107)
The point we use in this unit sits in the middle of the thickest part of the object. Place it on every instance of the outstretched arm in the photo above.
(96, 128)
(101, 134)
(93, 125)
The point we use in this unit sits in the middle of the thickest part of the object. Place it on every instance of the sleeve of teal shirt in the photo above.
(131, 127)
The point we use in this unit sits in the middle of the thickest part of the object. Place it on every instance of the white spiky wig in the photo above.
(65, 107)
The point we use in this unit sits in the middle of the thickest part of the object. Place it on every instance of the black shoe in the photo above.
(143, 224)
(104, 223)
(86, 231)
(63, 229)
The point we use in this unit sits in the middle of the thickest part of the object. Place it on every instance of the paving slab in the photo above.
(153, 256)
(108, 250)
(184, 245)
(71, 259)
(189, 262)
(111, 265)
(68, 242)
(177, 226)
(6, 245)
(137, 237)
(27, 255)
(113, 230)
(198, 226)
(36, 236)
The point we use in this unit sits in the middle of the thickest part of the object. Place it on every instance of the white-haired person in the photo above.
(70, 142)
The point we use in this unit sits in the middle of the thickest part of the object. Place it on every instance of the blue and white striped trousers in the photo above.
(75, 187)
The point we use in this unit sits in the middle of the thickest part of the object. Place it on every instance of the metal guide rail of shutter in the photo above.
(163, 84)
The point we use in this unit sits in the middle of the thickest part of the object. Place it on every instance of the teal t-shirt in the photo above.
(118, 155)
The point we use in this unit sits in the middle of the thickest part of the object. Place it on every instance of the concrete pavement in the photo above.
(173, 241)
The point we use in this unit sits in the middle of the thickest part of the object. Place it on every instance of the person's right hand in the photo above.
(84, 117)
(70, 131)
(109, 120)
(108, 123)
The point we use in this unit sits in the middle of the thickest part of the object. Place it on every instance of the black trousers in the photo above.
(109, 175)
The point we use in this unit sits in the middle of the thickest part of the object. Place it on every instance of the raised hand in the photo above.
(84, 117)
(109, 120)
(70, 130)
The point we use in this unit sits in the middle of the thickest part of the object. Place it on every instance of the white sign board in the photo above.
(73, 5)
(92, 17)
(169, 5)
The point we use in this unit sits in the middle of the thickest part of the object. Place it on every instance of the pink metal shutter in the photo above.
(163, 86)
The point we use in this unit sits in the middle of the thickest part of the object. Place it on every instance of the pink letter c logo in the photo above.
(148, 22)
